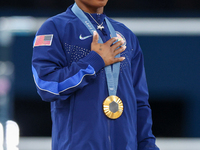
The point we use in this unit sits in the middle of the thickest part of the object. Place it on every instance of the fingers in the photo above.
(95, 37)
(119, 59)
(111, 41)
(106, 51)
(117, 45)
(120, 50)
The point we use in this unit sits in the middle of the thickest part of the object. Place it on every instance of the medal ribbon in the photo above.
(112, 75)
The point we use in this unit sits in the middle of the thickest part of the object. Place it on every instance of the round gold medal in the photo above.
(113, 107)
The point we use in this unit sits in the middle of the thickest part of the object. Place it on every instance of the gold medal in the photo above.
(113, 107)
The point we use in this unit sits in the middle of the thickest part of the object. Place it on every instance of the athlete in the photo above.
(91, 69)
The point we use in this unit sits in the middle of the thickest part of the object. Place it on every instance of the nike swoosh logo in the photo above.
(85, 37)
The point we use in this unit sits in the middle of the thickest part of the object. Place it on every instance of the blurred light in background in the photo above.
(1, 137)
(12, 135)
(7, 68)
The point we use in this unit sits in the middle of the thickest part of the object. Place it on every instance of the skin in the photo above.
(107, 51)
(92, 6)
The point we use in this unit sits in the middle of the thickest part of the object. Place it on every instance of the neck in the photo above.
(90, 9)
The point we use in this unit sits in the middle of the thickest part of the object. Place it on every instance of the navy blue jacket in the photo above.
(72, 77)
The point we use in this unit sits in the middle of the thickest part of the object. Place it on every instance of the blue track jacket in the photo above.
(72, 77)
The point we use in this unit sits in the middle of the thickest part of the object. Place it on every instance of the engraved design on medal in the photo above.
(113, 107)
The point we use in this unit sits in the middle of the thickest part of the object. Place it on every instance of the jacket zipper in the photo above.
(109, 138)
(109, 130)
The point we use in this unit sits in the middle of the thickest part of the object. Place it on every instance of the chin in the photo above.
(92, 3)
(101, 3)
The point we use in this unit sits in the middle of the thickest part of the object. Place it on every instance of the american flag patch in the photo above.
(43, 40)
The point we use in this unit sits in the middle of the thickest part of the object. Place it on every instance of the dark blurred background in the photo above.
(184, 8)
(171, 62)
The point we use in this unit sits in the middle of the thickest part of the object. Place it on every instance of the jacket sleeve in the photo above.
(54, 78)
(146, 140)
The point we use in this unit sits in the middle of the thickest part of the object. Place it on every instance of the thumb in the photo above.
(95, 37)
